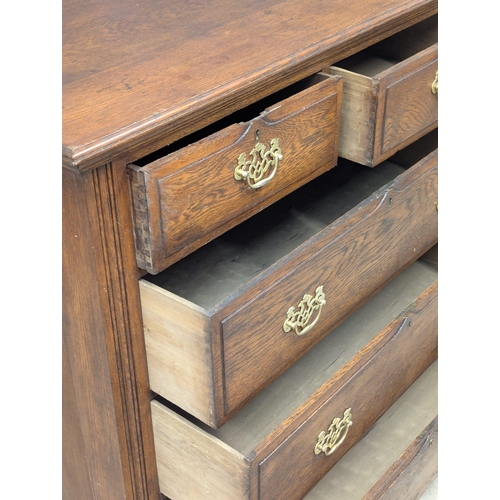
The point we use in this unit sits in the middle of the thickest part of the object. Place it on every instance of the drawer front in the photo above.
(388, 97)
(296, 450)
(191, 196)
(342, 266)
(358, 396)
(408, 103)
(398, 458)
(410, 476)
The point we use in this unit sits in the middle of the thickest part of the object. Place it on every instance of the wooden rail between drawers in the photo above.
(134, 80)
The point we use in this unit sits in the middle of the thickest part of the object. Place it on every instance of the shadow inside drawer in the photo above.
(218, 269)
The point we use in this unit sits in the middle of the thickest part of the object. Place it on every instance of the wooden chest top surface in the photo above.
(140, 74)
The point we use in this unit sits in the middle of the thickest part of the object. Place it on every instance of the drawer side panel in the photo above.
(357, 125)
(408, 109)
(178, 351)
(371, 384)
(193, 194)
(194, 465)
(355, 257)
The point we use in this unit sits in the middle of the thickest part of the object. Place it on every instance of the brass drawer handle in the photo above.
(298, 320)
(434, 86)
(263, 163)
(329, 441)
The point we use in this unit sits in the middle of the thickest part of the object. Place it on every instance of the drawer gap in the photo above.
(393, 50)
(211, 274)
(264, 413)
(241, 116)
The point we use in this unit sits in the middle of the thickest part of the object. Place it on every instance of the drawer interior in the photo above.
(361, 467)
(393, 50)
(293, 388)
(211, 274)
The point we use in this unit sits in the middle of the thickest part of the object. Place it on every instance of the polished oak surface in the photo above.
(351, 257)
(388, 101)
(136, 77)
(241, 461)
(141, 74)
(188, 197)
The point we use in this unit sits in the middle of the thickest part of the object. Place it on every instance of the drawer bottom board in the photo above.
(397, 458)
(198, 462)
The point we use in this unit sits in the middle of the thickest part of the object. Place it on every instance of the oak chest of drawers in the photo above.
(243, 213)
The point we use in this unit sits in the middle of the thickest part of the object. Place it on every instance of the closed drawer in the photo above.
(193, 194)
(229, 318)
(390, 94)
(290, 435)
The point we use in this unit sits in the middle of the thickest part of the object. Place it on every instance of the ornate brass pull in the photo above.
(262, 167)
(434, 86)
(298, 320)
(329, 441)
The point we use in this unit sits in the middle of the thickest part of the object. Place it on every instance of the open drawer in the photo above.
(390, 94)
(398, 458)
(226, 320)
(293, 432)
(187, 194)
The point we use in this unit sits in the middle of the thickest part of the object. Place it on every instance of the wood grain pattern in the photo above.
(178, 349)
(353, 258)
(76, 478)
(88, 379)
(111, 225)
(140, 76)
(247, 429)
(137, 77)
(193, 465)
(409, 109)
(387, 104)
(369, 385)
(372, 464)
(102, 331)
(196, 463)
(190, 196)
(359, 104)
(414, 471)
(215, 272)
